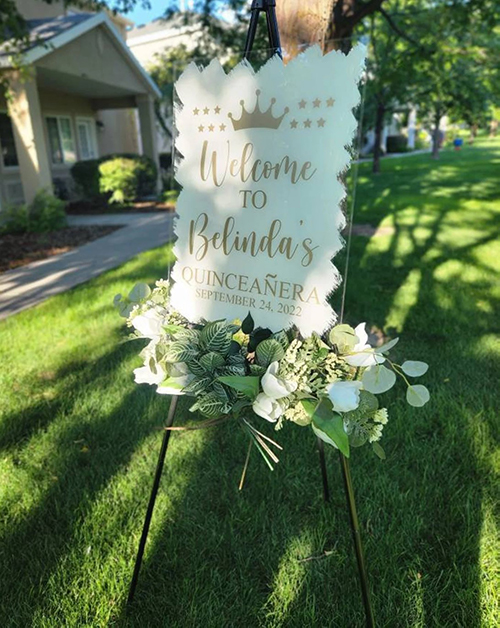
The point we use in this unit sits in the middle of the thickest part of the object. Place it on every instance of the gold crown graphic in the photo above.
(258, 118)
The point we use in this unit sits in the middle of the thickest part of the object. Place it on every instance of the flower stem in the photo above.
(245, 467)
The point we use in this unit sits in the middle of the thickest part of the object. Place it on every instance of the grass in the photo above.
(79, 441)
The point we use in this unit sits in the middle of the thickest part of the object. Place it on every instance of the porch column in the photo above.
(147, 122)
(29, 137)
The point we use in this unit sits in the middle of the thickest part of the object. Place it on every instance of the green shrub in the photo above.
(14, 219)
(45, 213)
(88, 177)
(170, 196)
(397, 144)
(119, 177)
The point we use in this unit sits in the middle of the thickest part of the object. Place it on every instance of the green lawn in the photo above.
(79, 441)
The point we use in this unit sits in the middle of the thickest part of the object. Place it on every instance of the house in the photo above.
(149, 41)
(71, 101)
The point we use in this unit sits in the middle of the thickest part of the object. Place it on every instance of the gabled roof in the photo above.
(48, 35)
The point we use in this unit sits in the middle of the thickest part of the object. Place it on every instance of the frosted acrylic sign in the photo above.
(259, 213)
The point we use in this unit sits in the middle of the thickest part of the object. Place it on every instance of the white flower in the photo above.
(144, 374)
(274, 386)
(344, 395)
(148, 324)
(267, 407)
(362, 354)
(178, 378)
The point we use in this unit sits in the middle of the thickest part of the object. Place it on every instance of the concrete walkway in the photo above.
(29, 285)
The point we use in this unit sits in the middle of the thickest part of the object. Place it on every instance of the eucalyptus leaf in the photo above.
(379, 450)
(327, 423)
(387, 346)
(139, 292)
(378, 379)
(414, 368)
(417, 395)
(248, 385)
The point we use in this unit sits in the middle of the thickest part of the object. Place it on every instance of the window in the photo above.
(7, 144)
(85, 130)
(61, 142)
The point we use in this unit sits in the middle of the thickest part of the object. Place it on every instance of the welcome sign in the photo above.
(259, 214)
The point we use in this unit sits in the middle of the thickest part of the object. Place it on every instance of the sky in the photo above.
(140, 15)
(143, 16)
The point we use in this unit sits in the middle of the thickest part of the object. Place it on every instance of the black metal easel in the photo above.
(269, 8)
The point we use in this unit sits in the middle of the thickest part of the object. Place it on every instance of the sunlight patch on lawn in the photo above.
(289, 579)
(404, 299)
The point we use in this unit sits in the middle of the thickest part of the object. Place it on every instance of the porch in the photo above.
(80, 97)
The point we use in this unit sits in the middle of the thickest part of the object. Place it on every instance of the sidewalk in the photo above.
(420, 151)
(29, 285)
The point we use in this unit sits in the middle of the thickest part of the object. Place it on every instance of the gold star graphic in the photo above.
(201, 128)
(321, 122)
(293, 124)
(302, 104)
(211, 127)
(196, 111)
(217, 109)
(222, 127)
(329, 102)
(206, 111)
(307, 124)
(317, 102)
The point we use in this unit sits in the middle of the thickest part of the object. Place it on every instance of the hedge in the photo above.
(118, 177)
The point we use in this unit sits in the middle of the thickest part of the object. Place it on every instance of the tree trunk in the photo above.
(436, 136)
(379, 127)
(329, 23)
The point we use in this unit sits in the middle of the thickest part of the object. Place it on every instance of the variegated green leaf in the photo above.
(180, 352)
(269, 351)
(211, 361)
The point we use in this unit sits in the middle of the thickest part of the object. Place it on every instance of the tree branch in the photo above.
(397, 30)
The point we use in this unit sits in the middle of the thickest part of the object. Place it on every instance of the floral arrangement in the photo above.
(236, 370)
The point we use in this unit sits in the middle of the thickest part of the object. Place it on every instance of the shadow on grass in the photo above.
(33, 548)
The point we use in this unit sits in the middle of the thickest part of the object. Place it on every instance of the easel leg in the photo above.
(324, 475)
(152, 499)
(351, 504)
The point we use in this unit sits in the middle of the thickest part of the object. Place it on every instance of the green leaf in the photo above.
(171, 382)
(379, 450)
(212, 361)
(210, 406)
(269, 351)
(185, 334)
(417, 395)
(139, 292)
(327, 423)
(217, 336)
(414, 368)
(282, 338)
(387, 346)
(344, 337)
(198, 385)
(248, 385)
(173, 329)
(180, 352)
(256, 369)
(233, 369)
(378, 379)
(258, 335)
(247, 325)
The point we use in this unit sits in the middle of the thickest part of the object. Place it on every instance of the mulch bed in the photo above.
(93, 208)
(18, 250)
